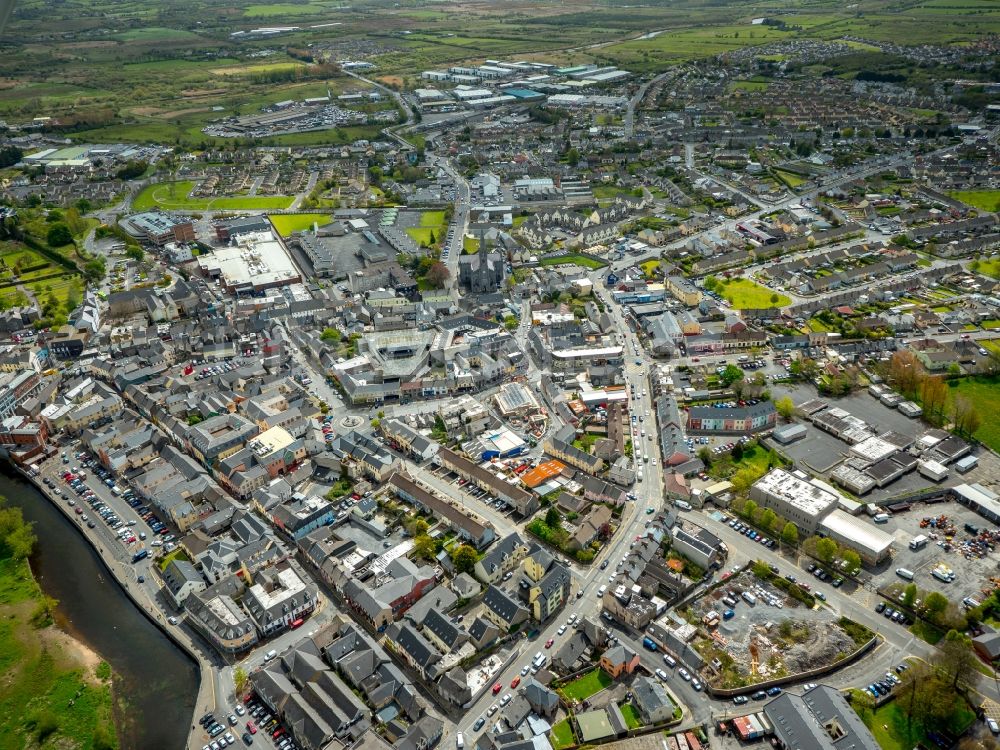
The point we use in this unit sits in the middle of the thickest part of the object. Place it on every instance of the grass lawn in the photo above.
(631, 715)
(650, 267)
(889, 726)
(470, 245)
(50, 695)
(926, 632)
(988, 267)
(432, 219)
(989, 325)
(985, 394)
(745, 294)
(288, 223)
(586, 686)
(748, 86)
(175, 196)
(424, 236)
(573, 260)
(178, 554)
(562, 735)
(984, 200)
(610, 192)
(789, 178)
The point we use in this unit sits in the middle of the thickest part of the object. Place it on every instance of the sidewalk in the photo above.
(115, 559)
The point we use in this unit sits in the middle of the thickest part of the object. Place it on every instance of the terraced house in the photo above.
(732, 420)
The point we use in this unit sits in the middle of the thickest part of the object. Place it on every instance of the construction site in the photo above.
(751, 631)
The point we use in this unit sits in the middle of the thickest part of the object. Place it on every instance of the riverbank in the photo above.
(54, 689)
(159, 664)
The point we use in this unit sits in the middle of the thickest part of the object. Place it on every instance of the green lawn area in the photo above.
(610, 192)
(926, 632)
(174, 196)
(748, 86)
(818, 325)
(586, 686)
(989, 267)
(989, 325)
(889, 726)
(631, 714)
(789, 178)
(285, 224)
(48, 698)
(572, 259)
(650, 267)
(470, 245)
(984, 392)
(424, 236)
(746, 294)
(562, 735)
(984, 200)
(178, 554)
(432, 219)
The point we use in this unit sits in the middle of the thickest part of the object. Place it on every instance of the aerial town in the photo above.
(523, 400)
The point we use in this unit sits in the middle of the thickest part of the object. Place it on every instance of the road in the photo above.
(637, 100)
(589, 579)
(460, 222)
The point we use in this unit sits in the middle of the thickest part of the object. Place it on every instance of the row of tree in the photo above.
(906, 373)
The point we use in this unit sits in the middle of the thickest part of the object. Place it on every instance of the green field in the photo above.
(984, 200)
(791, 179)
(631, 714)
(750, 85)
(175, 196)
(573, 260)
(985, 394)
(586, 686)
(745, 294)
(889, 726)
(49, 697)
(562, 735)
(432, 219)
(285, 224)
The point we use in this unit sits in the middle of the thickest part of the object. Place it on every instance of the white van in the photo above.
(600, 591)
(881, 518)
(459, 741)
(905, 573)
(682, 504)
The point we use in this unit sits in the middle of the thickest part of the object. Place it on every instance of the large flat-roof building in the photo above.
(819, 719)
(257, 260)
(872, 544)
(795, 496)
(159, 228)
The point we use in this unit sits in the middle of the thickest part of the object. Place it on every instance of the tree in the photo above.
(416, 527)
(552, 518)
(743, 479)
(906, 372)
(132, 170)
(909, 595)
(826, 550)
(241, 680)
(94, 270)
(730, 375)
(785, 407)
(934, 397)
(438, 275)
(425, 547)
(852, 562)
(935, 604)
(767, 518)
(573, 157)
(737, 452)
(705, 454)
(749, 509)
(790, 534)
(330, 334)
(964, 415)
(135, 253)
(59, 235)
(774, 299)
(955, 660)
(464, 557)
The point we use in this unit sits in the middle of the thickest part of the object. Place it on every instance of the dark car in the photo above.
(247, 739)
(759, 695)
(604, 565)
(772, 691)
(479, 724)
(880, 607)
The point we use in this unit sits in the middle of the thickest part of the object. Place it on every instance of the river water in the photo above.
(155, 680)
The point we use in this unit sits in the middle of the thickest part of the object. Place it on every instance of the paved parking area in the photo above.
(971, 573)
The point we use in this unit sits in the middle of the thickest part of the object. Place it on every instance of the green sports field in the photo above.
(175, 196)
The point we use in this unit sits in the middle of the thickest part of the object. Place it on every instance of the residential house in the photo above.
(619, 660)
(502, 558)
(503, 611)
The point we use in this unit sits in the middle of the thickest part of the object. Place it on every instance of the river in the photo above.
(158, 681)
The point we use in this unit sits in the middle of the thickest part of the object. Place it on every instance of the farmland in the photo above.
(176, 196)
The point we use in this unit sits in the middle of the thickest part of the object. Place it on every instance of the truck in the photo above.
(749, 598)
(918, 542)
(649, 643)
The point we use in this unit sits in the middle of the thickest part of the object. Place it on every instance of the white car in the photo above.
(562, 629)
(685, 675)
(505, 700)
(525, 669)
(661, 674)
